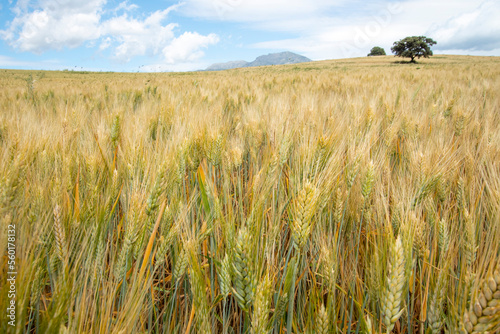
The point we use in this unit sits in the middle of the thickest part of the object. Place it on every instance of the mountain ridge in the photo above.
(279, 58)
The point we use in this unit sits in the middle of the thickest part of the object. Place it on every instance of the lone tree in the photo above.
(377, 51)
(413, 47)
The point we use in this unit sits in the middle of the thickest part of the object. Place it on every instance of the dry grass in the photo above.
(343, 196)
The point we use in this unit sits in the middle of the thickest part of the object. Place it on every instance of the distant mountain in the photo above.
(281, 58)
(227, 66)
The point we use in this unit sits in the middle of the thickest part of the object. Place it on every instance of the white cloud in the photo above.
(106, 43)
(478, 30)
(56, 24)
(126, 6)
(187, 47)
(135, 37)
(344, 36)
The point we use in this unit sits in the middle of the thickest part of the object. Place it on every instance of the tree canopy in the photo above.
(413, 47)
(377, 51)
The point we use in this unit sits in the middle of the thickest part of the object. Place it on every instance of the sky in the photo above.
(186, 35)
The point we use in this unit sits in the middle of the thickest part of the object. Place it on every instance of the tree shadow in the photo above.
(408, 62)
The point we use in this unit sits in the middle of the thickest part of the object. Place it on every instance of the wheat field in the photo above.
(345, 196)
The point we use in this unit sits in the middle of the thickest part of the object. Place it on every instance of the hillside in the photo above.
(281, 58)
(227, 66)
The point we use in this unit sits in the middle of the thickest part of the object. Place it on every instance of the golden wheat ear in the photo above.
(484, 317)
(60, 235)
(303, 211)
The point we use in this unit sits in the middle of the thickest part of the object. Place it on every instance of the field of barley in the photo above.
(345, 196)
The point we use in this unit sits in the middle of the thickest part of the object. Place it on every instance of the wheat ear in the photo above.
(243, 279)
(130, 238)
(393, 291)
(304, 209)
(322, 321)
(434, 312)
(224, 275)
(260, 317)
(485, 313)
(60, 235)
(180, 266)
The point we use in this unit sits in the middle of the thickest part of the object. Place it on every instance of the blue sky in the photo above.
(115, 35)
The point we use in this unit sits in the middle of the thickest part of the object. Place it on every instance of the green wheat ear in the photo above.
(165, 243)
(435, 308)
(180, 265)
(134, 218)
(224, 275)
(392, 296)
(243, 273)
(367, 185)
(115, 130)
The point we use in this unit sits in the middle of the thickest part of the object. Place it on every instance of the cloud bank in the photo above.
(322, 29)
(478, 30)
(40, 26)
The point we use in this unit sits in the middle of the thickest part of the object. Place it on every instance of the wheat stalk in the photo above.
(435, 309)
(198, 286)
(460, 193)
(37, 284)
(425, 189)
